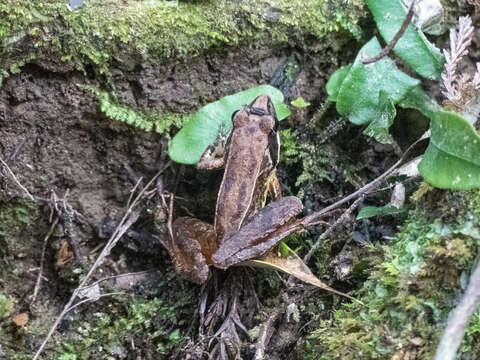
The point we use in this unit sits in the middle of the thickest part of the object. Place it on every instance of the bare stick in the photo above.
(456, 326)
(117, 276)
(93, 299)
(127, 221)
(263, 336)
(132, 192)
(395, 39)
(327, 232)
(170, 217)
(42, 259)
(16, 180)
(311, 219)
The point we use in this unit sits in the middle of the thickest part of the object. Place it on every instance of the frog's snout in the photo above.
(262, 105)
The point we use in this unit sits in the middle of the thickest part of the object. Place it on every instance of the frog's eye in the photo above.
(239, 118)
(267, 124)
(234, 113)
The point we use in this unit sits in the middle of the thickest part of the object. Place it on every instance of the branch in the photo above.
(393, 42)
(127, 221)
(42, 259)
(456, 326)
(313, 218)
(327, 232)
(263, 336)
(16, 180)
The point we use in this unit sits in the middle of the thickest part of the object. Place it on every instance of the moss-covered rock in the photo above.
(126, 33)
(412, 289)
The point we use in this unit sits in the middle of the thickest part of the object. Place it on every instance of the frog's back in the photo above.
(243, 179)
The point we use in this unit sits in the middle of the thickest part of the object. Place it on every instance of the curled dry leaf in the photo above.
(294, 266)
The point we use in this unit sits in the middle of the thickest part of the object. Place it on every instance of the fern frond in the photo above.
(148, 121)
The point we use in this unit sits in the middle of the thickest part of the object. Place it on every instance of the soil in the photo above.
(55, 140)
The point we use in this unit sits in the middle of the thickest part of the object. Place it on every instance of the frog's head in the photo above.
(261, 112)
(262, 105)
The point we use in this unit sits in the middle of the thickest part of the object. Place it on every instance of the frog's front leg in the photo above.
(260, 234)
(191, 246)
(214, 156)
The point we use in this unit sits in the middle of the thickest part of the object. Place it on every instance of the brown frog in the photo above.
(244, 228)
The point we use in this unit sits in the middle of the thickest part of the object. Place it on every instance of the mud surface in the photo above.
(56, 140)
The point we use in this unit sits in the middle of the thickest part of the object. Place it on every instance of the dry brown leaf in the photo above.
(21, 319)
(294, 266)
(64, 255)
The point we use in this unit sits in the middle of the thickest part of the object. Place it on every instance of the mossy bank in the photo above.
(102, 33)
(415, 282)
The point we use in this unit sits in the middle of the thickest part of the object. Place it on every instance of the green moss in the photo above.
(128, 32)
(6, 306)
(14, 217)
(315, 163)
(145, 120)
(154, 326)
(409, 295)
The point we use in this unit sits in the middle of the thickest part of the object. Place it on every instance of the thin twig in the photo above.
(93, 299)
(116, 277)
(132, 192)
(16, 180)
(17, 150)
(129, 218)
(327, 232)
(311, 219)
(456, 326)
(395, 39)
(42, 259)
(263, 337)
(170, 217)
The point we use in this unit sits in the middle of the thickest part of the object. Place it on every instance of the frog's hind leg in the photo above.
(190, 247)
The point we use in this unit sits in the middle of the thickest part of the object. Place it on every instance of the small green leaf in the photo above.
(378, 128)
(215, 118)
(284, 249)
(452, 158)
(300, 102)
(413, 46)
(174, 335)
(359, 94)
(417, 99)
(335, 82)
(371, 211)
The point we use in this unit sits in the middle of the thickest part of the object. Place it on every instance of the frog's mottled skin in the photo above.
(248, 166)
